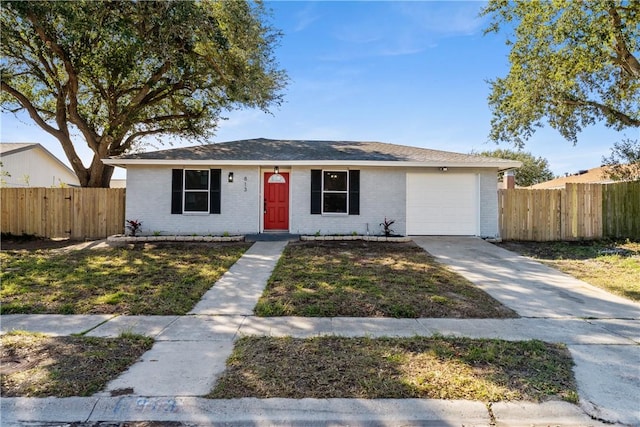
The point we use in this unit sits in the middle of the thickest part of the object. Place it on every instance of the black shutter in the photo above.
(214, 191)
(354, 192)
(316, 191)
(176, 191)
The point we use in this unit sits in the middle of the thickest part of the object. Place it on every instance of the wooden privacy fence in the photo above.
(77, 213)
(580, 211)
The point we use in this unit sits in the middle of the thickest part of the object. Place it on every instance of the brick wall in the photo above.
(149, 200)
(382, 194)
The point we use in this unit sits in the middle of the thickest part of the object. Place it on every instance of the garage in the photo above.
(442, 203)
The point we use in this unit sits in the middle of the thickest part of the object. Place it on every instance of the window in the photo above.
(334, 192)
(195, 191)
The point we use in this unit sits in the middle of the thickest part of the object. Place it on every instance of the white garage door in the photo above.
(442, 204)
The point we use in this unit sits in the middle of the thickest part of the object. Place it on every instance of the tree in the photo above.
(572, 62)
(533, 170)
(624, 161)
(114, 72)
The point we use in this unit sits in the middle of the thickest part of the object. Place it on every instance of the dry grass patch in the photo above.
(153, 279)
(437, 368)
(35, 365)
(610, 265)
(370, 279)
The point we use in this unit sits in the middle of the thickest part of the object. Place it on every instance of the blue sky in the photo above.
(411, 73)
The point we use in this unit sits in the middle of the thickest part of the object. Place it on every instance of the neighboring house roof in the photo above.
(261, 151)
(587, 176)
(9, 148)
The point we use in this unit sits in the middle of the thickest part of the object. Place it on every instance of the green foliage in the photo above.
(573, 63)
(386, 226)
(117, 72)
(624, 161)
(533, 169)
(133, 225)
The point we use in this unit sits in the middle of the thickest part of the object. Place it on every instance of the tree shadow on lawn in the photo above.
(35, 365)
(153, 280)
(608, 264)
(371, 279)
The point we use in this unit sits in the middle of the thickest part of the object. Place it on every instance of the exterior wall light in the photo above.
(230, 178)
(276, 170)
(444, 169)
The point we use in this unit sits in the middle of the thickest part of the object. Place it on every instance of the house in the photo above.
(32, 165)
(588, 176)
(306, 187)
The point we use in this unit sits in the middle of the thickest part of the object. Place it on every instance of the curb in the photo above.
(278, 411)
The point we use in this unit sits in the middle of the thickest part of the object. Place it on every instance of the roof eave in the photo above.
(501, 166)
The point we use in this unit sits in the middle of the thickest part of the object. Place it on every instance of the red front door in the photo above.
(276, 203)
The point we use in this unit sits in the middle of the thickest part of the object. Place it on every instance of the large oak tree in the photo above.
(573, 63)
(110, 73)
(533, 170)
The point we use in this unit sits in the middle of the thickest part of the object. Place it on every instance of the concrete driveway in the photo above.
(608, 376)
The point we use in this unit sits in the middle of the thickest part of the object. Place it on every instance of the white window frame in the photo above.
(346, 192)
(185, 190)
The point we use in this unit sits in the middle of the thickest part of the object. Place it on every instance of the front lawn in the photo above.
(370, 279)
(397, 368)
(34, 365)
(155, 280)
(613, 266)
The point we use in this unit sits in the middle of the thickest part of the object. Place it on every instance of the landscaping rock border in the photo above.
(397, 239)
(119, 239)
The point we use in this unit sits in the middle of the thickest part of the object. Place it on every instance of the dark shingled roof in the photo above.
(261, 149)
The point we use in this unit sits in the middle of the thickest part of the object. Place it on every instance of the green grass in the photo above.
(370, 279)
(435, 368)
(618, 273)
(34, 365)
(158, 280)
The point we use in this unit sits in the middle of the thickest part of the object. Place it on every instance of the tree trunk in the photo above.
(98, 174)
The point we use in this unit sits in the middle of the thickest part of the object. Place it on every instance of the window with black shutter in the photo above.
(335, 192)
(195, 191)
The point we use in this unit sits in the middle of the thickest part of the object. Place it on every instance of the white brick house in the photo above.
(305, 187)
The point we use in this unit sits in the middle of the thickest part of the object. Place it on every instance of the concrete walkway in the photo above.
(601, 331)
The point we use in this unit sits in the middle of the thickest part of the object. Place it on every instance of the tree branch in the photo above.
(625, 58)
(155, 78)
(124, 146)
(31, 109)
(61, 135)
(70, 88)
(159, 119)
(604, 109)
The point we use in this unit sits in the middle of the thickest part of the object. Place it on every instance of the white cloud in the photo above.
(444, 18)
(402, 28)
(306, 17)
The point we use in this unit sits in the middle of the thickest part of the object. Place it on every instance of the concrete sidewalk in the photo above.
(190, 351)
